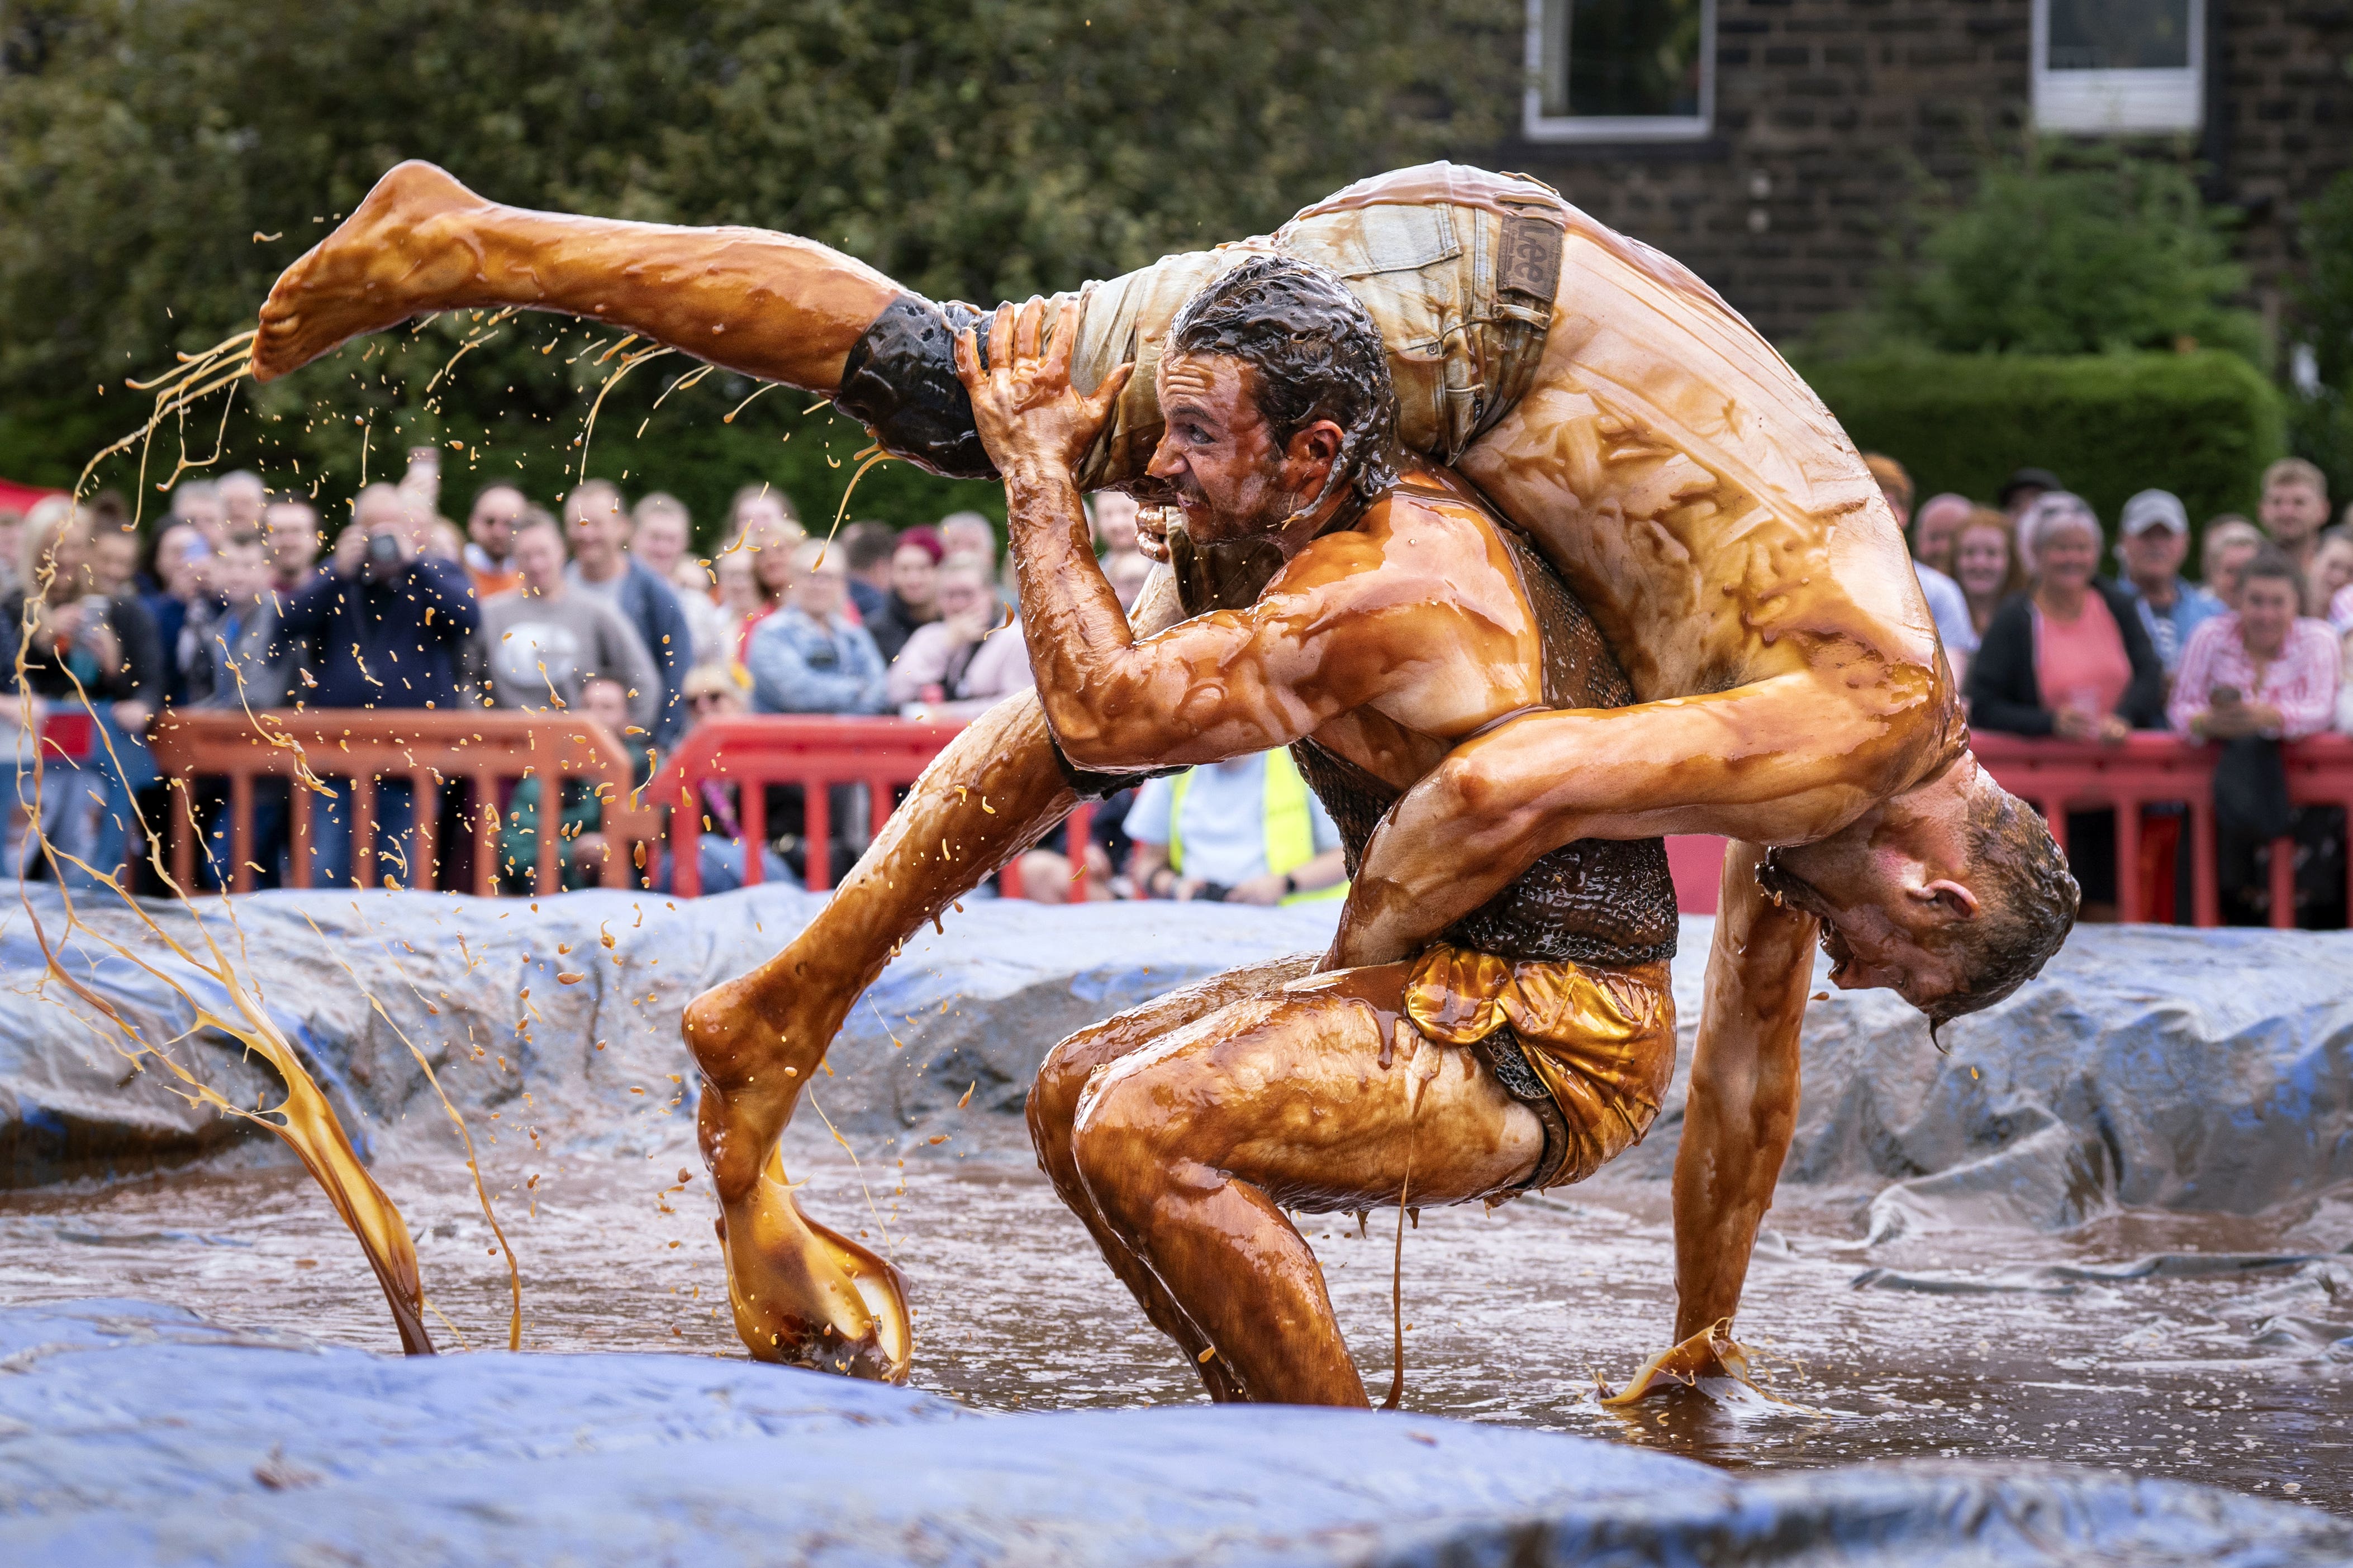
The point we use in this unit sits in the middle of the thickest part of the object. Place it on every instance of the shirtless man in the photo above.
(1400, 618)
(1698, 499)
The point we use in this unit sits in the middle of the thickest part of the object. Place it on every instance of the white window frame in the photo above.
(2120, 102)
(1539, 126)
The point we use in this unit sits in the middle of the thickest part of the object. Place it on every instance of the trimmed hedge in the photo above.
(2200, 425)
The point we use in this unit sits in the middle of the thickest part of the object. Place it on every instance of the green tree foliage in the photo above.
(2064, 250)
(161, 160)
(2202, 425)
(2322, 422)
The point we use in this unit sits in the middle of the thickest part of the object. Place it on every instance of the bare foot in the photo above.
(396, 257)
(809, 1296)
(1711, 1353)
(802, 1294)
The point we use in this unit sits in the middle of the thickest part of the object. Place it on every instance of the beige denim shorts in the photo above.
(1458, 267)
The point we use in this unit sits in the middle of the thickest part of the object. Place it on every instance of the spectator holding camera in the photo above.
(2262, 669)
(90, 673)
(2251, 679)
(390, 625)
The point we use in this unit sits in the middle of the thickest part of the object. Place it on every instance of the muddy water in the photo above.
(2219, 1378)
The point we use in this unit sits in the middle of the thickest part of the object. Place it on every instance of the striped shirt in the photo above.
(2301, 682)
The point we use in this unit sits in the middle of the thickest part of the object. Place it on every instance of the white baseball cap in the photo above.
(2154, 508)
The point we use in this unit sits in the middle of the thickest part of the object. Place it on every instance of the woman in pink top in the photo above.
(2069, 658)
(2263, 670)
(2250, 679)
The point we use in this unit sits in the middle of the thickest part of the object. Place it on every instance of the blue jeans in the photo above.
(396, 827)
(721, 861)
(85, 806)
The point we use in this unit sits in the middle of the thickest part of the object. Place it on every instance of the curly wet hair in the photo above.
(2029, 905)
(1316, 354)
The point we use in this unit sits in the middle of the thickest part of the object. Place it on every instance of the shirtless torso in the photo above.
(1724, 532)
(1528, 1046)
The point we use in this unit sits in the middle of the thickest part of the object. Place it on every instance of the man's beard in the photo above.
(1274, 508)
(1790, 892)
(1786, 887)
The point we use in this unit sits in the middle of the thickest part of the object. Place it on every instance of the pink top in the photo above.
(2301, 682)
(2081, 663)
(2340, 609)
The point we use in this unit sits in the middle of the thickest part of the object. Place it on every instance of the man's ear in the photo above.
(1955, 901)
(1316, 444)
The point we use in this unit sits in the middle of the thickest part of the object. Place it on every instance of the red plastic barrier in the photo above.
(483, 750)
(2148, 768)
(884, 755)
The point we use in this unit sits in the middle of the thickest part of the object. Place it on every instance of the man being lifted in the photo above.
(1722, 530)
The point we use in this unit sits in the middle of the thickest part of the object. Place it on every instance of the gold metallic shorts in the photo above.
(1599, 1041)
(1457, 268)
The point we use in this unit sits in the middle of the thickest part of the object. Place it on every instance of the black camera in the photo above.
(383, 554)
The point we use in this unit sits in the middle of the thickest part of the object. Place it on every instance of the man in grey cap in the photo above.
(2156, 540)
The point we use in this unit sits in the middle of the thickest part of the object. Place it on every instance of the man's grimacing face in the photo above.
(1879, 889)
(1218, 456)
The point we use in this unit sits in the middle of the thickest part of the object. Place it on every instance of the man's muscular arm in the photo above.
(1743, 1104)
(1218, 686)
(1737, 1120)
(1770, 762)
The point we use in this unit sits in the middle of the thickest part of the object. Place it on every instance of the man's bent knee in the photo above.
(1125, 1149)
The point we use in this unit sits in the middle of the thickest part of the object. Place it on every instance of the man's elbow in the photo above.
(1473, 795)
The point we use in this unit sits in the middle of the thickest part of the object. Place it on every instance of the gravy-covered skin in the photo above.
(1399, 619)
(1688, 485)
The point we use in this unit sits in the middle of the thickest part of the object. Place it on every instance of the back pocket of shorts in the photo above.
(1387, 238)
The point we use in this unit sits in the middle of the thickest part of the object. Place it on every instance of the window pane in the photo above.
(1623, 58)
(2119, 35)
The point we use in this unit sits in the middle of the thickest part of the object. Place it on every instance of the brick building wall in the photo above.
(1827, 111)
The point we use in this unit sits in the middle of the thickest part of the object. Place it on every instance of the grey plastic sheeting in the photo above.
(2198, 1071)
(133, 1433)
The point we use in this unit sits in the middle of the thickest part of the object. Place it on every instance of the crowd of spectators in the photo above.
(241, 598)
(2260, 652)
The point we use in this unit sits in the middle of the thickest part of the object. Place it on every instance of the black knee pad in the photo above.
(899, 382)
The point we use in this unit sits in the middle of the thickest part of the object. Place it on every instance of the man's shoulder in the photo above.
(1412, 529)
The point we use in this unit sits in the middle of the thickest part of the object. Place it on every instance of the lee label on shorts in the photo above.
(1530, 259)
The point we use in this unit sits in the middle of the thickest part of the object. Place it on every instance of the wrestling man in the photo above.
(1378, 619)
(1720, 529)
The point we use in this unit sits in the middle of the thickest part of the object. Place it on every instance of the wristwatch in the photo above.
(1289, 884)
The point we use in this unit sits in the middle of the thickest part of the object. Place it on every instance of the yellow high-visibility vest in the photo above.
(1290, 824)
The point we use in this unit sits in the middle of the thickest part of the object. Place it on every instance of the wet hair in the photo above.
(2027, 900)
(1316, 354)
